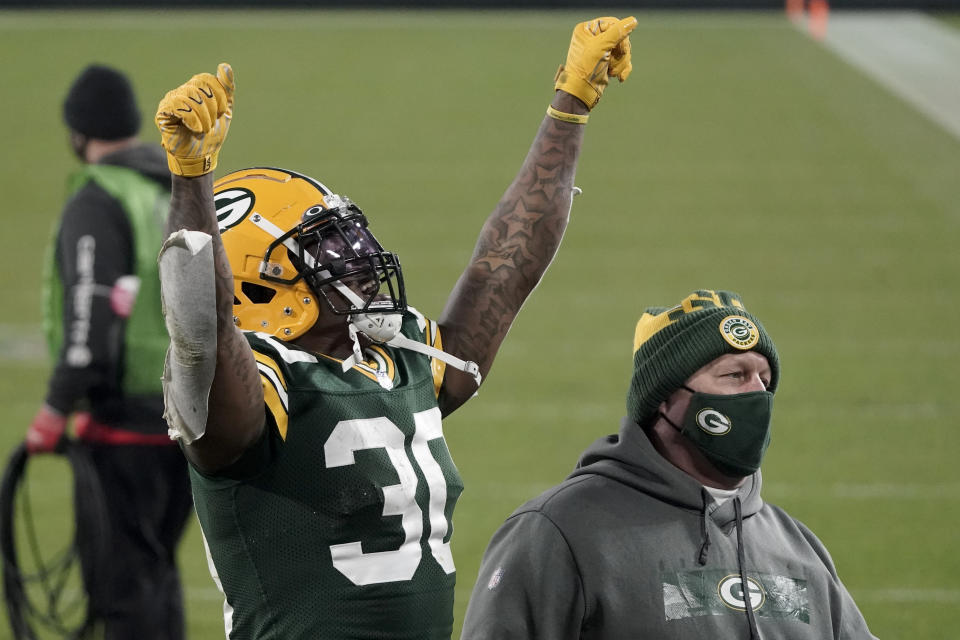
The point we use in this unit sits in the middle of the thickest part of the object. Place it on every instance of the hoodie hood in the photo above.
(148, 159)
(629, 458)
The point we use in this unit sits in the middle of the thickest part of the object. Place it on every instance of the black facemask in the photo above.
(732, 431)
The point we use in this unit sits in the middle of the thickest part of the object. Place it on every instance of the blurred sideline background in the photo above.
(743, 153)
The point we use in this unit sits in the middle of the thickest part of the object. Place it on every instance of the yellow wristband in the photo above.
(192, 167)
(566, 117)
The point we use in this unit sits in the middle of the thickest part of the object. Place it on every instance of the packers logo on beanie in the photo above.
(671, 344)
(101, 104)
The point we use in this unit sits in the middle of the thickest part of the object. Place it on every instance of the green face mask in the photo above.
(732, 431)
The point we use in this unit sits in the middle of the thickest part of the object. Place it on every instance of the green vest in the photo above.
(146, 204)
(344, 530)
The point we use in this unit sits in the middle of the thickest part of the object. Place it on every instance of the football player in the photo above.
(308, 397)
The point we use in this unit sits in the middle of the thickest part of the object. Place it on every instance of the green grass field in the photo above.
(740, 155)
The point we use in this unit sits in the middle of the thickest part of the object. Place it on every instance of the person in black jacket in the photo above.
(105, 329)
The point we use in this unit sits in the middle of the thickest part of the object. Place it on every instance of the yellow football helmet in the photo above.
(292, 242)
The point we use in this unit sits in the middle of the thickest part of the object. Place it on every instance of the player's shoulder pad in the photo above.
(418, 327)
(283, 353)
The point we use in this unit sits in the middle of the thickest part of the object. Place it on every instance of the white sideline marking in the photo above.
(583, 412)
(894, 491)
(204, 594)
(773, 490)
(945, 596)
(914, 56)
(517, 492)
(867, 491)
(22, 344)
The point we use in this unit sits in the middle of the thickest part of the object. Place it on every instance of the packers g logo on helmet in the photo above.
(232, 206)
(291, 242)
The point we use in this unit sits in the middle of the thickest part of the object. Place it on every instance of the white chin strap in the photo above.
(385, 328)
(467, 366)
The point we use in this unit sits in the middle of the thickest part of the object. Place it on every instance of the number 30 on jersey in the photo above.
(350, 436)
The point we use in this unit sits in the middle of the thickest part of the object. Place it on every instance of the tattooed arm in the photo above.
(521, 236)
(236, 411)
(516, 245)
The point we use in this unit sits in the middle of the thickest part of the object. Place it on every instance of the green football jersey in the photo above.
(338, 524)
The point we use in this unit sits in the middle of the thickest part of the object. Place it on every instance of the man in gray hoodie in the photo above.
(658, 529)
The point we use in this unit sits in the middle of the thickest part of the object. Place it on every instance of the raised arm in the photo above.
(521, 236)
(197, 286)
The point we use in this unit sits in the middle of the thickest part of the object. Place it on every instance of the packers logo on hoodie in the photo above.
(718, 592)
(732, 594)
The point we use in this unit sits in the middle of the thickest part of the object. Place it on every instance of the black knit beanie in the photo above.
(101, 104)
(671, 344)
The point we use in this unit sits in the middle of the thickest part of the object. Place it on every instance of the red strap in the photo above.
(89, 430)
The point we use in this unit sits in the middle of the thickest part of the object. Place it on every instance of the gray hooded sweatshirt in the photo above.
(631, 547)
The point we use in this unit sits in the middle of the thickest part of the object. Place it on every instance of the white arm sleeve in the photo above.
(189, 310)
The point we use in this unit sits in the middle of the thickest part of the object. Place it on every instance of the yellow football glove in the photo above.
(193, 120)
(599, 50)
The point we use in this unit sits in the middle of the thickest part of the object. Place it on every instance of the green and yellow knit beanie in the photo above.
(671, 344)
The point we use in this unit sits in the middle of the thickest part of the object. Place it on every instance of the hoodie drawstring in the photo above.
(751, 618)
(704, 534)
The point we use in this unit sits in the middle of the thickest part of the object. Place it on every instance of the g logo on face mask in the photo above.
(713, 422)
(732, 431)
